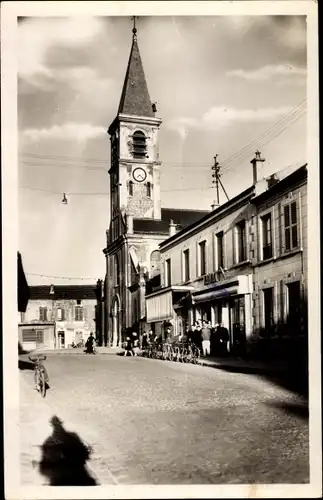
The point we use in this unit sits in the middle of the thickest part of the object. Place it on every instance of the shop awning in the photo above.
(239, 285)
(159, 305)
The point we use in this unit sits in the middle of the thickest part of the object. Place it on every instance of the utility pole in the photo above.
(216, 180)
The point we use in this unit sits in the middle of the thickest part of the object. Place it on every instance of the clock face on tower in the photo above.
(139, 174)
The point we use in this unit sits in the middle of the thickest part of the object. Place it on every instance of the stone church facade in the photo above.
(138, 223)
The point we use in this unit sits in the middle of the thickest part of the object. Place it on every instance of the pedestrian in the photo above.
(89, 345)
(206, 335)
(223, 335)
(128, 347)
(144, 341)
(135, 344)
(213, 340)
(151, 337)
(197, 335)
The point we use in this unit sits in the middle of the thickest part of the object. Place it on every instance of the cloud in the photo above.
(76, 131)
(36, 36)
(219, 117)
(268, 72)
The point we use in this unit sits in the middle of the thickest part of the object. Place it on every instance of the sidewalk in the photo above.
(245, 366)
(77, 351)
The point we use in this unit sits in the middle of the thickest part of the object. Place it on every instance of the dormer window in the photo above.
(139, 144)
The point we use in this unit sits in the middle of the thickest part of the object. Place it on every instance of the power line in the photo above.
(284, 120)
(273, 132)
(260, 144)
(60, 277)
(104, 193)
(93, 160)
(55, 165)
(299, 108)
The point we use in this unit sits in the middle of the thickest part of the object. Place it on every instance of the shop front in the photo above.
(168, 307)
(227, 302)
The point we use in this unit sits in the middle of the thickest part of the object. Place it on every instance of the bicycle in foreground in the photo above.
(41, 378)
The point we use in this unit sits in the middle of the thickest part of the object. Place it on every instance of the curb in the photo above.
(260, 370)
(244, 368)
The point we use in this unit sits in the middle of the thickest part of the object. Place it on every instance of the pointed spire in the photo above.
(135, 98)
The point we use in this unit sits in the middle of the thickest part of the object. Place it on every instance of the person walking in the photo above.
(206, 335)
(144, 341)
(135, 343)
(89, 345)
(128, 347)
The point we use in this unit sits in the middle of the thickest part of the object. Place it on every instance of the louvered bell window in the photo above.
(139, 144)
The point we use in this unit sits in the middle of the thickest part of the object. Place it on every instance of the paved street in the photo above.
(155, 422)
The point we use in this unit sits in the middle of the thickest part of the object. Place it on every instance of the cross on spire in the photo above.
(134, 29)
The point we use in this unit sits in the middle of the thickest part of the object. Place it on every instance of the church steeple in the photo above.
(134, 136)
(135, 98)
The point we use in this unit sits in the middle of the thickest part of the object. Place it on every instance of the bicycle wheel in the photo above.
(36, 379)
(42, 384)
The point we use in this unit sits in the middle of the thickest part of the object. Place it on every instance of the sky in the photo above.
(223, 85)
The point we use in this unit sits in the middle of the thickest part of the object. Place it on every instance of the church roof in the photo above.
(181, 217)
(135, 98)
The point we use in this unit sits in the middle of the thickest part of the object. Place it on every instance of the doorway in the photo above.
(39, 339)
(116, 322)
(61, 339)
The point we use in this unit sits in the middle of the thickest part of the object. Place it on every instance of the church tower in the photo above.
(138, 223)
(135, 167)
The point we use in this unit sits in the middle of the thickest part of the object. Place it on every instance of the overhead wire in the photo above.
(263, 139)
(62, 277)
(296, 112)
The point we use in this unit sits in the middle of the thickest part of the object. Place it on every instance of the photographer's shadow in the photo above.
(64, 457)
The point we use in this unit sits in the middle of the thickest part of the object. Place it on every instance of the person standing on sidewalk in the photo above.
(224, 338)
(206, 336)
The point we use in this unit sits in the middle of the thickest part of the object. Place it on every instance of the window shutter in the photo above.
(294, 212)
(294, 237)
(287, 238)
(286, 216)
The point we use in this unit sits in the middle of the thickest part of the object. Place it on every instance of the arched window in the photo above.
(139, 144)
(130, 188)
(148, 189)
(155, 263)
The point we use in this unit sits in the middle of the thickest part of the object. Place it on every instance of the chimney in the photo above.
(129, 224)
(172, 228)
(257, 176)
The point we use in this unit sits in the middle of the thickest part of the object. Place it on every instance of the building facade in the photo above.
(280, 263)
(243, 265)
(138, 222)
(57, 316)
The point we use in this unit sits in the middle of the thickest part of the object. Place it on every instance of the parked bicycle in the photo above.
(41, 378)
(78, 344)
(167, 352)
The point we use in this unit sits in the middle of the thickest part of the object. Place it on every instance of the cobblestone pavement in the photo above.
(156, 422)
